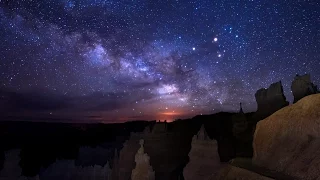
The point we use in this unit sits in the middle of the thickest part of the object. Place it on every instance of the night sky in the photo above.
(111, 60)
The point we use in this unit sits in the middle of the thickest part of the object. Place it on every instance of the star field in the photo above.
(111, 60)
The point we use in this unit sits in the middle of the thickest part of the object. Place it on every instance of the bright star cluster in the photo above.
(116, 60)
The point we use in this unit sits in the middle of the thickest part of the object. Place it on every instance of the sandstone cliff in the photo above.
(288, 141)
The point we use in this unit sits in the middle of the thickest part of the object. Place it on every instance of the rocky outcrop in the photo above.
(88, 156)
(11, 168)
(115, 166)
(302, 86)
(270, 100)
(288, 141)
(126, 157)
(143, 170)
(242, 131)
(240, 123)
(161, 147)
(235, 173)
(125, 163)
(169, 153)
(160, 127)
(204, 160)
(66, 170)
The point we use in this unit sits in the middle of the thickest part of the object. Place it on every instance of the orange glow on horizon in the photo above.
(170, 113)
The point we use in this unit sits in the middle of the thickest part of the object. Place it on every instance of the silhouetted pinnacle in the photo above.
(241, 110)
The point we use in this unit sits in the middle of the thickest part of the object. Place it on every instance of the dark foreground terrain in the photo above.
(42, 143)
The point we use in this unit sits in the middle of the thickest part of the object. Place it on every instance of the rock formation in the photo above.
(125, 163)
(166, 150)
(11, 168)
(302, 86)
(270, 100)
(240, 123)
(61, 169)
(115, 166)
(89, 156)
(288, 141)
(126, 157)
(66, 170)
(143, 170)
(204, 160)
(160, 127)
(146, 130)
(242, 131)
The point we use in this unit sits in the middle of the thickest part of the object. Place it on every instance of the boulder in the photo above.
(302, 86)
(270, 100)
(204, 160)
(288, 141)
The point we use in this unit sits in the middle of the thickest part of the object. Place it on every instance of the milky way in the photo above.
(111, 60)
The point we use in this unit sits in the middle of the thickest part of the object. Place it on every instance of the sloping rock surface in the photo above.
(236, 173)
(288, 141)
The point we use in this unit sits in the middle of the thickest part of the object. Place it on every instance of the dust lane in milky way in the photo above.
(102, 60)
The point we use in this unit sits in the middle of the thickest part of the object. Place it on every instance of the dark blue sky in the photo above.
(121, 60)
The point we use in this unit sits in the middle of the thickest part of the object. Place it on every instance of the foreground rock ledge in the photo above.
(235, 173)
(288, 141)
